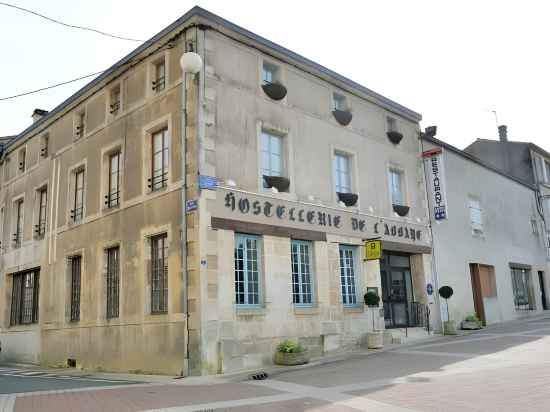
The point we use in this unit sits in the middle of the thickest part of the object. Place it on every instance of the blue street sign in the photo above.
(208, 182)
(430, 289)
(191, 205)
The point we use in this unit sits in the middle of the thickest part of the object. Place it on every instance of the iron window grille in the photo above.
(159, 163)
(302, 287)
(112, 198)
(159, 274)
(76, 274)
(40, 228)
(521, 283)
(247, 270)
(113, 281)
(347, 275)
(24, 298)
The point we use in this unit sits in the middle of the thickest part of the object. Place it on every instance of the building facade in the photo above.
(187, 223)
(489, 242)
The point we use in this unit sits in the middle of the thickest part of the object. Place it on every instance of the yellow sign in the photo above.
(373, 249)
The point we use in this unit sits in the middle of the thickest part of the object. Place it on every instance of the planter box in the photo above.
(343, 117)
(449, 327)
(274, 90)
(375, 340)
(349, 199)
(471, 325)
(291, 359)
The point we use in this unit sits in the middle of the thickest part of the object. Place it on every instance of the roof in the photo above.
(532, 146)
(200, 12)
(475, 160)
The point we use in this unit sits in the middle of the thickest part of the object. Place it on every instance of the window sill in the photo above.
(306, 310)
(250, 310)
(354, 309)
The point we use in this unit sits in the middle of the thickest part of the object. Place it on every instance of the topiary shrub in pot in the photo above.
(471, 322)
(375, 338)
(290, 353)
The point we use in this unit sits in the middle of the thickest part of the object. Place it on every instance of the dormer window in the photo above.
(80, 127)
(159, 75)
(114, 100)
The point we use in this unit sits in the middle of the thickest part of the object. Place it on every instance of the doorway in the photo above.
(542, 291)
(483, 286)
(397, 290)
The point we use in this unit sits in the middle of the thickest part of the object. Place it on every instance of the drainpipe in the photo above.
(190, 63)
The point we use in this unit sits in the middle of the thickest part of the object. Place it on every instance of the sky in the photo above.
(455, 62)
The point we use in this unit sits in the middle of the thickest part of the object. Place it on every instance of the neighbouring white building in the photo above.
(488, 237)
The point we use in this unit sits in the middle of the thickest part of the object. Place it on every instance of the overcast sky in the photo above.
(453, 62)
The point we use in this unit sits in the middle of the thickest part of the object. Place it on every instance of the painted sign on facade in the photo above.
(254, 208)
(373, 249)
(436, 181)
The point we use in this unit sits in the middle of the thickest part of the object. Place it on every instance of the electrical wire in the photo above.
(69, 25)
(50, 87)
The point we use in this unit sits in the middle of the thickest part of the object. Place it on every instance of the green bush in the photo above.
(289, 346)
(472, 318)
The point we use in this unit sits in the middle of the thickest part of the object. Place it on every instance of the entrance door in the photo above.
(542, 291)
(396, 289)
(477, 292)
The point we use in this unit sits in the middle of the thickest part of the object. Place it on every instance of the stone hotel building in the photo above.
(180, 223)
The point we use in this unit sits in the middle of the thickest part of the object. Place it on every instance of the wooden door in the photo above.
(477, 292)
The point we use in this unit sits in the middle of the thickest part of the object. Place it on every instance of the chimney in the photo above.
(503, 133)
(38, 114)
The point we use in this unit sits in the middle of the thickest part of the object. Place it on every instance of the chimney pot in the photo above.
(38, 114)
(503, 133)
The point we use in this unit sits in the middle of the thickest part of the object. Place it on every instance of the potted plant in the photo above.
(471, 322)
(375, 338)
(449, 327)
(290, 353)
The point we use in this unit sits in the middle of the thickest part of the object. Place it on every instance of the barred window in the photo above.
(159, 274)
(160, 160)
(75, 263)
(347, 275)
(113, 281)
(247, 270)
(521, 285)
(24, 298)
(302, 290)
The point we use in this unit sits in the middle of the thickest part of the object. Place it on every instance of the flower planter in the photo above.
(291, 359)
(279, 182)
(342, 116)
(349, 199)
(395, 137)
(401, 210)
(471, 325)
(449, 327)
(375, 339)
(276, 91)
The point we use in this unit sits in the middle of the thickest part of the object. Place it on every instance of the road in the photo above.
(501, 368)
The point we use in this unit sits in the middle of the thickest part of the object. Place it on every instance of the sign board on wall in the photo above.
(436, 182)
(373, 249)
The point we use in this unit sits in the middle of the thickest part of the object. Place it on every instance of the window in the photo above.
(396, 186)
(113, 197)
(24, 298)
(40, 228)
(22, 160)
(18, 235)
(521, 284)
(547, 170)
(78, 211)
(80, 124)
(114, 98)
(476, 216)
(347, 275)
(342, 173)
(113, 281)
(340, 102)
(302, 288)
(247, 270)
(269, 73)
(75, 263)
(272, 155)
(44, 140)
(159, 274)
(160, 160)
(7, 165)
(159, 76)
(391, 124)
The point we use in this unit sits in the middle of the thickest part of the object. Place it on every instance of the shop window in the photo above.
(247, 270)
(521, 286)
(159, 274)
(24, 298)
(348, 275)
(302, 283)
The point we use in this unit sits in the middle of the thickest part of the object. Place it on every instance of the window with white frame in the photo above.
(247, 270)
(396, 187)
(347, 275)
(270, 73)
(342, 172)
(271, 155)
(340, 102)
(391, 124)
(476, 216)
(302, 284)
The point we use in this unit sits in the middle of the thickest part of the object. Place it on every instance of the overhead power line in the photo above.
(69, 25)
(50, 87)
